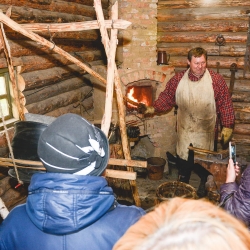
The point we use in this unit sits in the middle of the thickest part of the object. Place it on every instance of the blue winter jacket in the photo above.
(65, 211)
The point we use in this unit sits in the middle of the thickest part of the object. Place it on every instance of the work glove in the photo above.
(144, 109)
(226, 135)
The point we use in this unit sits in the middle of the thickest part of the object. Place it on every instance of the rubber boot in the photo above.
(201, 191)
(203, 174)
(184, 170)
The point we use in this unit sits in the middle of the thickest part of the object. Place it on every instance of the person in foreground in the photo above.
(236, 198)
(70, 206)
(203, 102)
(186, 224)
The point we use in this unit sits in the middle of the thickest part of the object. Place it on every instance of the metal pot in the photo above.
(24, 146)
(163, 58)
(25, 140)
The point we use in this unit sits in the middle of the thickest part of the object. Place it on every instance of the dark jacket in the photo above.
(66, 211)
(236, 198)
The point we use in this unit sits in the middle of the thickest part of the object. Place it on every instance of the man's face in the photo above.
(198, 65)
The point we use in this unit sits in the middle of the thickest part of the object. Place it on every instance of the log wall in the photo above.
(183, 25)
(53, 85)
(48, 76)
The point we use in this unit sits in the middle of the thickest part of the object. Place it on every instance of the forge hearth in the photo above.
(157, 132)
(139, 94)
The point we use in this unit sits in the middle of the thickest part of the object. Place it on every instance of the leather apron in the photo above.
(196, 115)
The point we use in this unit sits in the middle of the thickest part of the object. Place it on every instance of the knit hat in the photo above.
(71, 144)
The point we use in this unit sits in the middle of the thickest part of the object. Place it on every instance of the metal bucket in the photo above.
(155, 167)
(25, 140)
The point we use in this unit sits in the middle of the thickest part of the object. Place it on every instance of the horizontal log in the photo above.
(242, 117)
(180, 61)
(36, 63)
(243, 129)
(181, 4)
(38, 1)
(16, 62)
(241, 84)
(33, 96)
(242, 139)
(82, 110)
(205, 26)
(240, 80)
(198, 37)
(242, 106)
(27, 15)
(41, 62)
(37, 79)
(87, 35)
(56, 102)
(241, 96)
(75, 26)
(55, 6)
(28, 47)
(181, 49)
(200, 14)
(105, 3)
(72, 108)
(244, 150)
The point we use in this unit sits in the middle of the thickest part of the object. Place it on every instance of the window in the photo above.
(6, 98)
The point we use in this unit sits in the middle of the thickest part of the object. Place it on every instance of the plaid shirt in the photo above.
(224, 105)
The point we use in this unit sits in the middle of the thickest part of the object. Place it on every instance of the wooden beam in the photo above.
(112, 161)
(37, 165)
(75, 26)
(126, 175)
(106, 119)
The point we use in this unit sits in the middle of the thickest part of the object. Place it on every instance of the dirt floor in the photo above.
(147, 188)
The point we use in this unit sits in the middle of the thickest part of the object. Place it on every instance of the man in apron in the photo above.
(203, 101)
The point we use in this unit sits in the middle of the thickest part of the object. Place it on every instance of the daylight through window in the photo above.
(5, 95)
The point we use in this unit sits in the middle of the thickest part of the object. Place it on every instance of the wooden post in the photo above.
(106, 120)
(125, 144)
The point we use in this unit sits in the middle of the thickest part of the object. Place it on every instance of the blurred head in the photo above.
(186, 224)
(71, 144)
(197, 61)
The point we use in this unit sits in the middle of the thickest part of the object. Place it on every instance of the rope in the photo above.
(10, 148)
(51, 38)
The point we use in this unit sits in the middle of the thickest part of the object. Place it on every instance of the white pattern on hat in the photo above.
(95, 146)
(60, 152)
(86, 170)
(53, 166)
